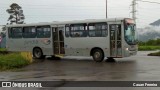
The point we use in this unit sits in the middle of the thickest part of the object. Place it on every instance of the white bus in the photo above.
(111, 38)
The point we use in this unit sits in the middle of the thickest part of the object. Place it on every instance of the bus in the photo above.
(99, 38)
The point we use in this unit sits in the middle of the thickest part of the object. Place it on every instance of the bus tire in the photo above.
(38, 54)
(98, 55)
(110, 59)
(55, 58)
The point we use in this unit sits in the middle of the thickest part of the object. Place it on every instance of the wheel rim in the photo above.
(37, 53)
(97, 55)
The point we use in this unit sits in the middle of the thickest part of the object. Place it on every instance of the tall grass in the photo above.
(27, 56)
(10, 60)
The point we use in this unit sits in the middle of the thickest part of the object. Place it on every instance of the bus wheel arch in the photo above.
(38, 53)
(97, 54)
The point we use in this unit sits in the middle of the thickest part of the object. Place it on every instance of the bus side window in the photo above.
(98, 29)
(43, 32)
(16, 32)
(67, 31)
(91, 28)
(29, 32)
(9, 33)
(104, 30)
(47, 32)
(78, 30)
(39, 32)
(85, 32)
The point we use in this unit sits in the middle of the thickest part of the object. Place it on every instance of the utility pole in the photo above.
(106, 9)
(134, 10)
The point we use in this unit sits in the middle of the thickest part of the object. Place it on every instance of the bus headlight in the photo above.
(127, 49)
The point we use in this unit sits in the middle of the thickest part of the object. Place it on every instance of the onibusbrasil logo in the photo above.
(20, 84)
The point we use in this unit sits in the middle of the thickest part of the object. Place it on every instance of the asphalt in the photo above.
(136, 68)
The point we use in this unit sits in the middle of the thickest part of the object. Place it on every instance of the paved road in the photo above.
(136, 68)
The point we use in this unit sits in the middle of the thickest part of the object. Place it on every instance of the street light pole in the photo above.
(134, 10)
(106, 9)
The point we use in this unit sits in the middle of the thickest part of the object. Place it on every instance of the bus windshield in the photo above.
(131, 34)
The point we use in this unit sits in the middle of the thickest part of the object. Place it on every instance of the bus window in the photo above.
(16, 32)
(130, 32)
(78, 30)
(9, 33)
(104, 30)
(29, 32)
(67, 31)
(97, 29)
(43, 32)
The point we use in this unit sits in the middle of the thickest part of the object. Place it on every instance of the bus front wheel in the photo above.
(37, 53)
(98, 55)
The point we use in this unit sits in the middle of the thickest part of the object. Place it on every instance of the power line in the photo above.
(134, 7)
(149, 1)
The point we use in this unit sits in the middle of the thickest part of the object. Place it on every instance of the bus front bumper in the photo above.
(130, 53)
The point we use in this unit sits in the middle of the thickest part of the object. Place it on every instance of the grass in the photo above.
(3, 49)
(10, 61)
(154, 54)
(148, 48)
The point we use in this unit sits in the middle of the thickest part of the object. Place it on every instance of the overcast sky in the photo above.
(62, 10)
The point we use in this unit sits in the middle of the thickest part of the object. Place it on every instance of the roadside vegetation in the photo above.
(148, 48)
(11, 60)
(150, 45)
(2, 49)
(154, 54)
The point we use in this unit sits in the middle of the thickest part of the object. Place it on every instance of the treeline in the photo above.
(150, 43)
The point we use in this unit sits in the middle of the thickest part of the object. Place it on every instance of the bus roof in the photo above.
(68, 22)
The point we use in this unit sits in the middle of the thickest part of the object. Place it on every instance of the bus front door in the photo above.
(58, 41)
(115, 40)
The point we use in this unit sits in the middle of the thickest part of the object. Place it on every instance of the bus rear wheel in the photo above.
(98, 55)
(38, 54)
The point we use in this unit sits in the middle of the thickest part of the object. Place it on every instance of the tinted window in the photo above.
(15, 32)
(43, 32)
(9, 32)
(29, 32)
(78, 30)
(67, 31)
(97, 29)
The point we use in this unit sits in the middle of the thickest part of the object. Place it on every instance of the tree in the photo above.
(16, 14)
